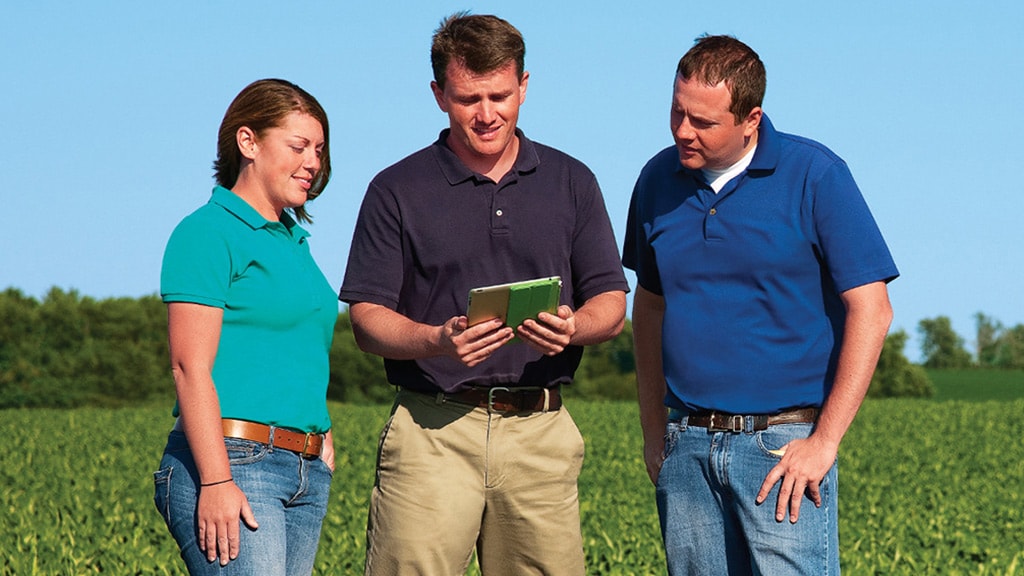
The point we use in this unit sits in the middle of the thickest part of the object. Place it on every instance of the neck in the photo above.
(245, 189)
(493, 167)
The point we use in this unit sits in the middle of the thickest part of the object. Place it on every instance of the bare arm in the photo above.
(193, 334)
(648, 313)
(806, 462)
(599, 319)
(384, 332)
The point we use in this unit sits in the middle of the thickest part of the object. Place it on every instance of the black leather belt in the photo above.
(502, 399)
(725, 422)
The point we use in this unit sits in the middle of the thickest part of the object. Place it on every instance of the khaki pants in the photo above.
(452, 477)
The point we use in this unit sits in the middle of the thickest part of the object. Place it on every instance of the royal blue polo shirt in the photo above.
(279, 310)
(751, 276)
(430, 229)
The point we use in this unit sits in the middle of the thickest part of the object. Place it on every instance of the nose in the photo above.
(683, 130)
(485, 112)
(311, 161)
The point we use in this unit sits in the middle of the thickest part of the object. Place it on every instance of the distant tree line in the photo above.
(996, 346)
(70, 350)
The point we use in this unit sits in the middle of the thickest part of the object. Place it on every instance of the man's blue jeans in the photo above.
(709, 521)
(288, 495)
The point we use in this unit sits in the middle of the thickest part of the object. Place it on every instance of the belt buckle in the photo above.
(719, 422)
(490, 397)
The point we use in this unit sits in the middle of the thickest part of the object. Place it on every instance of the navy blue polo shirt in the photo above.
(751, 276)
(430, 229)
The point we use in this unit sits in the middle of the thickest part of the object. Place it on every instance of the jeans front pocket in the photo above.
(242, 451)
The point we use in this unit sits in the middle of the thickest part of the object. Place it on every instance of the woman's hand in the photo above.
(220, 507)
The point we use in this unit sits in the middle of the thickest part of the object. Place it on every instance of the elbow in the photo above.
(617, 328)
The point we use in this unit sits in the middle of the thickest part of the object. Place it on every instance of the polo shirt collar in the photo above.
(456, 172)
(766, 157)
(241, 209)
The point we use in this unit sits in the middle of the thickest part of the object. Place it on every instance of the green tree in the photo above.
(1011, 348)
(895, 375)
(988, 332)
(607, 370)
(940, 345)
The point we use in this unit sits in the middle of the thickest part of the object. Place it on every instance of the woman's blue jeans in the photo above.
(709, 521)
(287, 493)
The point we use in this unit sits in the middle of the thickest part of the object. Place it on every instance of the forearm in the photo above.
(869, 315)
(201, 423)
(648, 312)
(384, 332)
(601, 318)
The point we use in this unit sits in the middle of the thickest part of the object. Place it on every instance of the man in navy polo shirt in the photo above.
(478, 452)
(760, 312)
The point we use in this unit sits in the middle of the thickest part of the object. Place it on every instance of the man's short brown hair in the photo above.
(715, 59)
(481, 43)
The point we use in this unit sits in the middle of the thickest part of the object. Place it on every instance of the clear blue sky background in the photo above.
(109, 113)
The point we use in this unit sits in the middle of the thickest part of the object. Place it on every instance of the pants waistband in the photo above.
(507, 399)
(725, 422)
(307, 445)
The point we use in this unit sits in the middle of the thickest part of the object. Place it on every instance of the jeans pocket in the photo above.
(672, 432)
(245, 451)
(772, 440)
(162, 492)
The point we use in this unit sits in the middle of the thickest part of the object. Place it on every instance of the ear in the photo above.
(522, 87)
(246, 140)
(438, 96)
(752, 122)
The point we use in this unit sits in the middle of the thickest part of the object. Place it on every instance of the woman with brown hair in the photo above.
(245, 476)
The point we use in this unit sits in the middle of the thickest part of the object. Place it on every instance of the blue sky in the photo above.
(110, 111)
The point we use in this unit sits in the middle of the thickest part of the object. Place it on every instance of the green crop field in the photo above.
(926, 487)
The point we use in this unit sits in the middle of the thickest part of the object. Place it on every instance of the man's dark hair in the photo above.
(481, 43)
(715, 59)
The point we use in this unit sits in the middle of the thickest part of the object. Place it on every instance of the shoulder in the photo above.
(806, 148)
(664, 162)
(407, 168)
(206, 221)
(550, 160)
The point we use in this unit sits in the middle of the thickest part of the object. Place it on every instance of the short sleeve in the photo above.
(196, 265)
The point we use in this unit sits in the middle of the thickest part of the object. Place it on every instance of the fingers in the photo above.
(791, 494)
(220, 529)
(549, 334)
(472, 345)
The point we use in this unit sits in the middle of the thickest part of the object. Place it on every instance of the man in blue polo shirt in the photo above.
(760, 312)
(479, 452)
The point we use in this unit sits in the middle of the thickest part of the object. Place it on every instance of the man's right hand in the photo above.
(473, 345)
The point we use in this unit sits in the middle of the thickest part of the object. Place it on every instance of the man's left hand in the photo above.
(549, 334)
(804, 464)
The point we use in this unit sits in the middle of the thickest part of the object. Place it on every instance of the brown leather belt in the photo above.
(501, 399)
(305, 445)
(725, 422)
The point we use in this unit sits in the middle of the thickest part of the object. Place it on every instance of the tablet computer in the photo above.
(514, 302)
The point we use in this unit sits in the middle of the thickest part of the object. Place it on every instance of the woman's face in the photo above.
(286, 159)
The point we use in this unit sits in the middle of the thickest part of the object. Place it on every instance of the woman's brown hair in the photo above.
(260, 106)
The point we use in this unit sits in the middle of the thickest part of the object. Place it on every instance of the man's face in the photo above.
(482, 111)
(705, 131)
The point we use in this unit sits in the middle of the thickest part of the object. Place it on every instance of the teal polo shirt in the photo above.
(279, 310)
